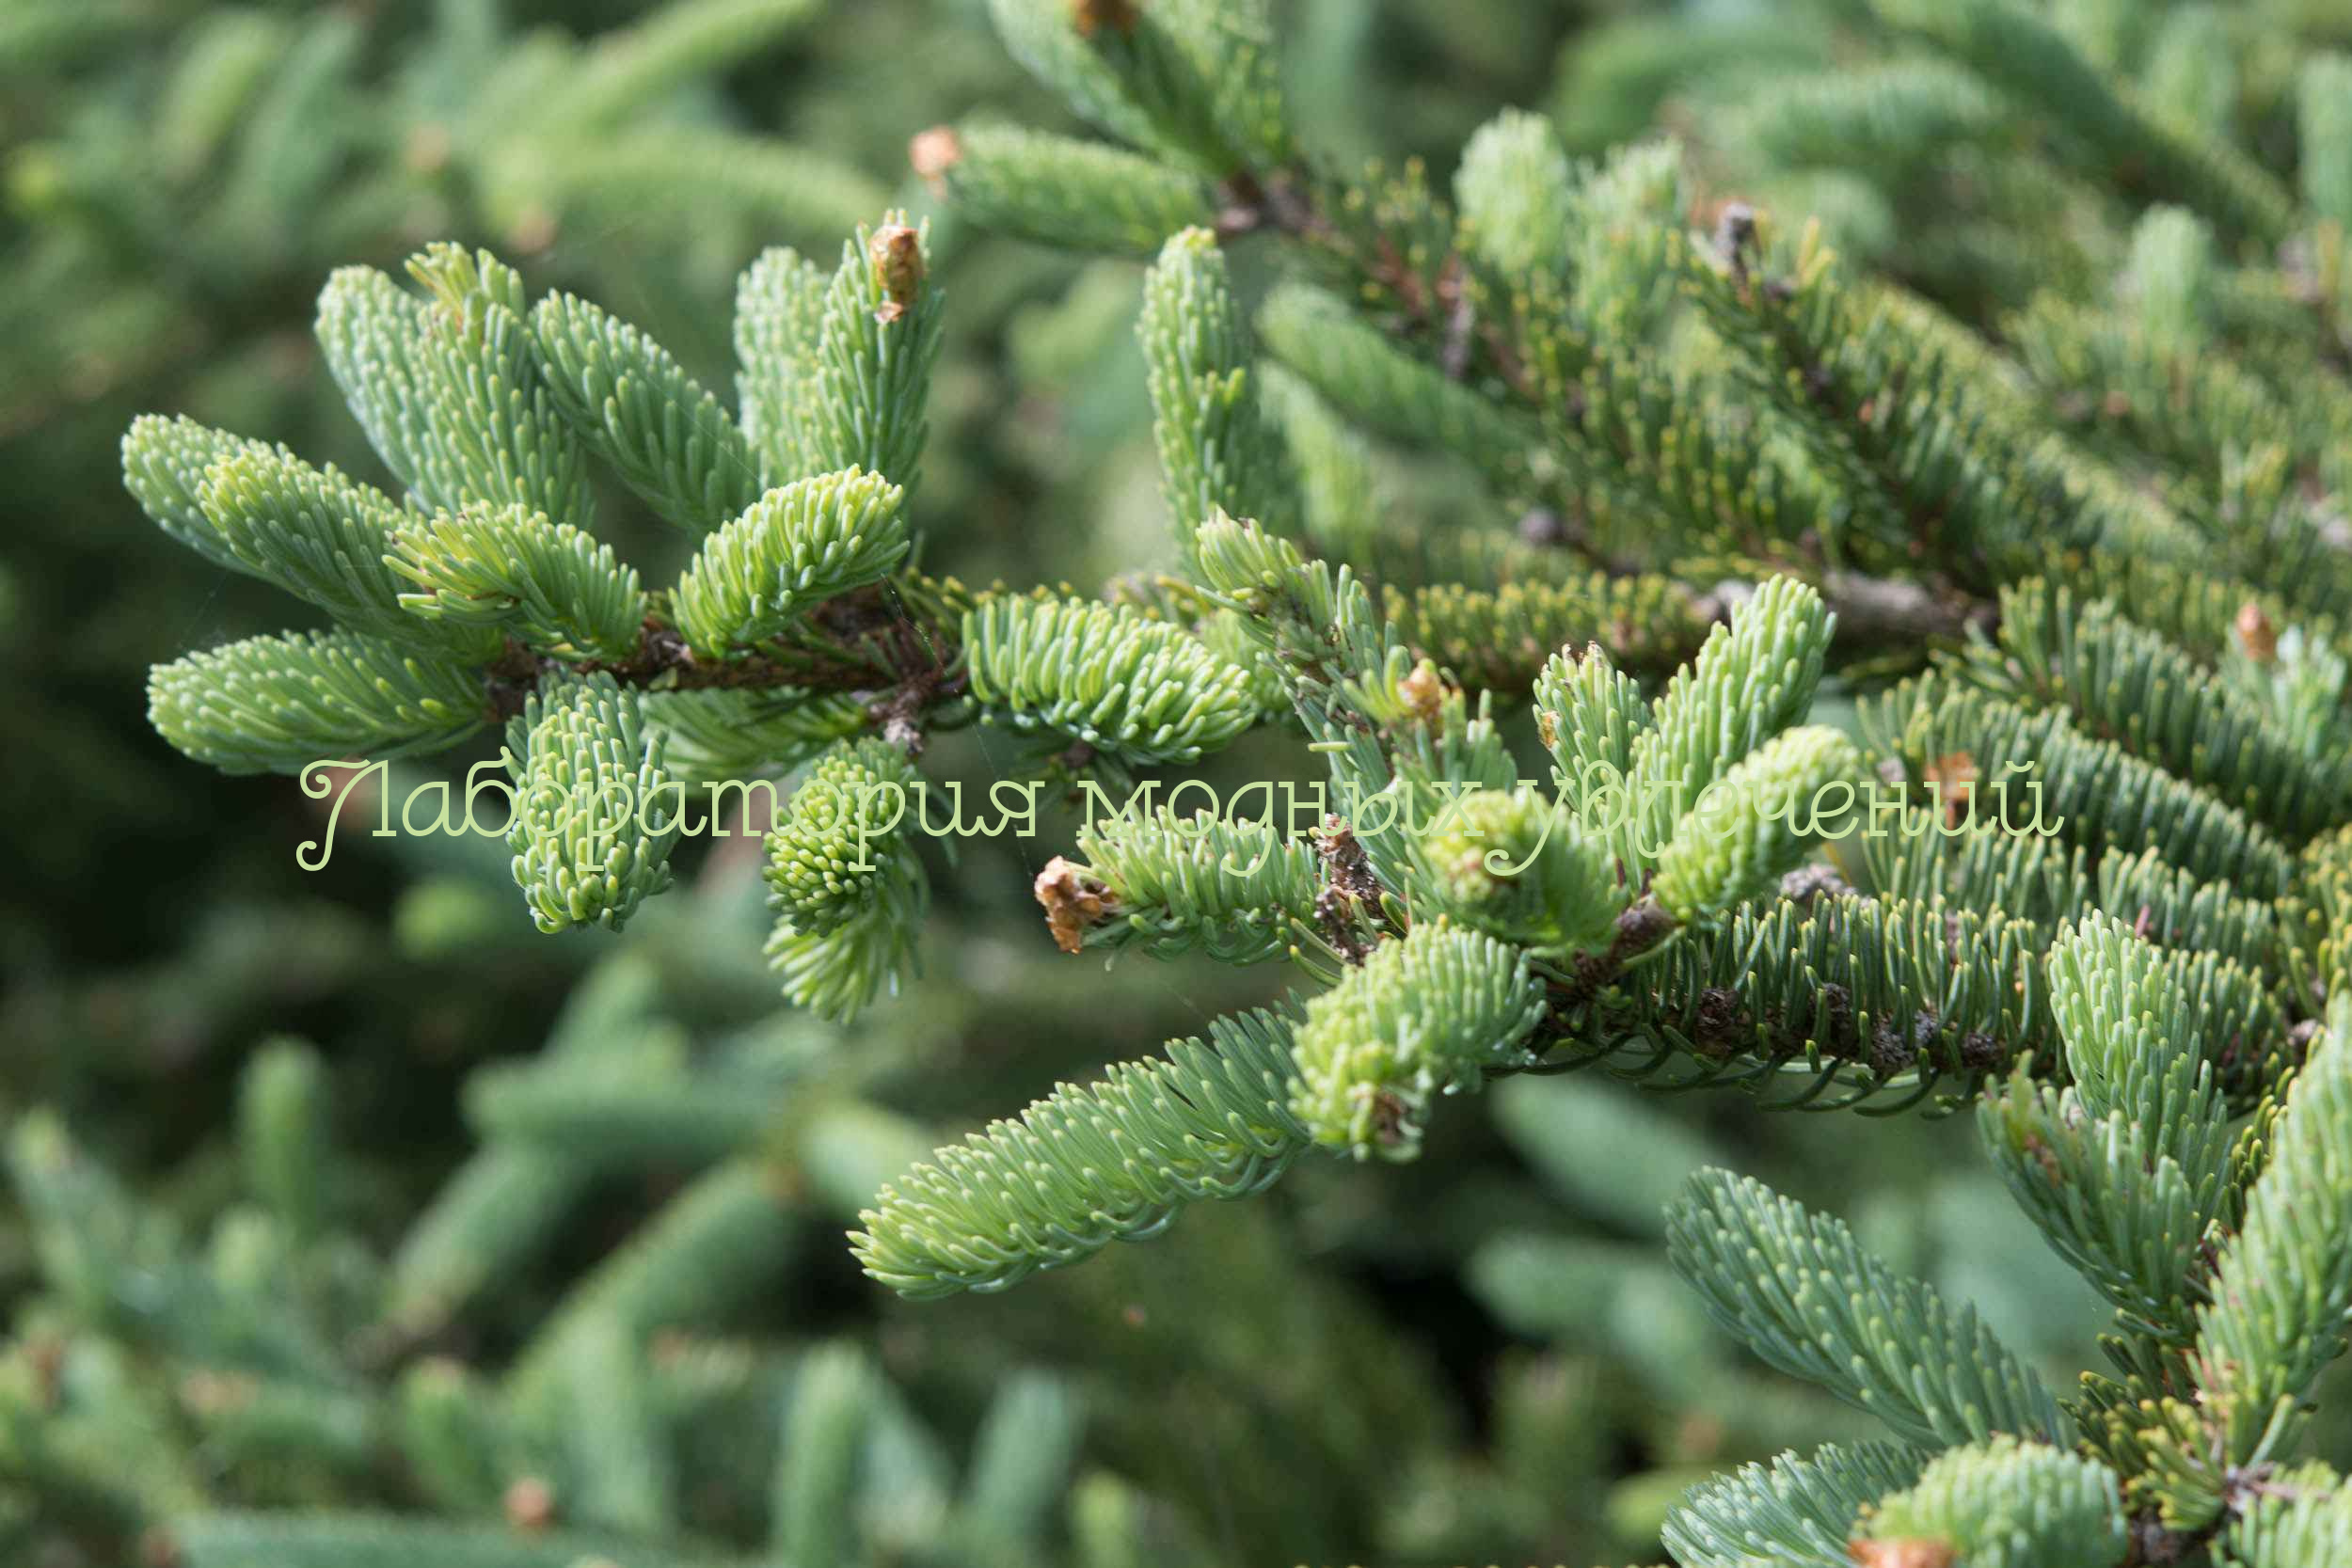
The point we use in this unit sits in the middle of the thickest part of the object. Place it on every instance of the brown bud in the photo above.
(1346, 865)
(1952, 776)
(933, 154)
(898, 256)
(1423, 692)
(1911, 1553)
(2255, 633)
(530, 1503)
(1091, 16)
(1075, 900)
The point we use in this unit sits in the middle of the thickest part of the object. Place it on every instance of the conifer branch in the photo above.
(2000, 368)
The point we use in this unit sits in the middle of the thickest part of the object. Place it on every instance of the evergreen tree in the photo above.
(2052, 484)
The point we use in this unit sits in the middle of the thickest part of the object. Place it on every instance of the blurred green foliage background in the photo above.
(1478, 1357)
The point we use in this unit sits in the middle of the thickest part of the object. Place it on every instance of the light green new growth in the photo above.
(595, 814)
(1753, 679)
(509, 568)
(1076, 195)
(273, 704)
(1516, 190)
(1514, 865)
(164, 465)
(779, 321)
(878, 336)
(2306, 1518)
(495, 437)
(2131, 1013)
(1588, 713)
(2283, 1289)
(322, 536)
(1796, 1512)
(843, 827)
(2008, 1504)
(631, 403)
(1105, 676)
(370, 330)
(1426, 1015)
(1752, 825)
(1233, 888)
(1210, 1119)
(798, 546)
(849, 892)
(1956, 366)
(1216, 451)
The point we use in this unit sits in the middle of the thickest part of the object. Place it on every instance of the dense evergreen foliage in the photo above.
(1820, 568)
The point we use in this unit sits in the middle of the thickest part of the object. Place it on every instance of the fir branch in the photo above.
(673, 443)
(275, 704)
(1807, 1298)
(1216, 448)
(879, 333)
(1796, 1511)
(1141, 690)
(2006, 1504)
(1169, 883)
(779, 321)
(1430, 1014)
(510, 568)
(798, 546)
(2030, 58)
(1086, 1166)
(1059, 191)
(2283, 1286)
(323, 537)
(591, 832)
